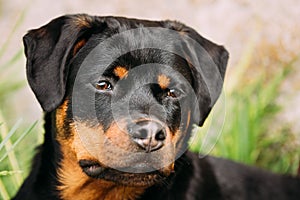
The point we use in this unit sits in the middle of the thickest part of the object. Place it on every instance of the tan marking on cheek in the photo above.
(74, 183)
(88, 141)
(163, 81)
(69, 174)
(78, 46)
(120, 72)
(177, 140)
(118, 136)
(167, 155)
(167, 158)
(178, 134)
(106, 147)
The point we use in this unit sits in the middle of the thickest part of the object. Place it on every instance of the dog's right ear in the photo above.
(207, 61)
(48, 50)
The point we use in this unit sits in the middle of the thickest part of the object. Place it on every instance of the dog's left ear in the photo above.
(207, 61)
(48, 50)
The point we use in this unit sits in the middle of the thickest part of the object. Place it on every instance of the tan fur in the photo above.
(121, 72)
(78, 46)
(75, 184)
(118, 137)
(82, 21)
(163, 81)
(61, 114)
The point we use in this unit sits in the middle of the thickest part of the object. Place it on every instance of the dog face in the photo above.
(123, 93)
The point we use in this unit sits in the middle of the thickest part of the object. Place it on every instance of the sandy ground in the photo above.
(228, 22)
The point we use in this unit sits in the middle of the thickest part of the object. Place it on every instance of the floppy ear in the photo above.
(208, 63)
(48, 50)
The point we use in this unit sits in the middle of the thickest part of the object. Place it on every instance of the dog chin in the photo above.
(132, 176)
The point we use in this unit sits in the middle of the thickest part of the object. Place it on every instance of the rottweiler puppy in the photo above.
(120, 97)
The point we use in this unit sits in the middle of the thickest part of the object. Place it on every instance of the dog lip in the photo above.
(137, 169)
(95, 170)
(91, 168)
(132, 179)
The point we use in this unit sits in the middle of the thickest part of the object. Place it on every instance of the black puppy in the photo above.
(120, 97)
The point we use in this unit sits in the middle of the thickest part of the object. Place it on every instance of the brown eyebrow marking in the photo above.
(120, 71)
(163, 81)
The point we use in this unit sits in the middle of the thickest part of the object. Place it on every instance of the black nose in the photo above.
(149, 135)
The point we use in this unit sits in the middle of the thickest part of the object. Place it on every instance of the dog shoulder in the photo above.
(237, 181)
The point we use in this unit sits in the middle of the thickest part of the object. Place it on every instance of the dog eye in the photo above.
(172, 93)
(104, 85)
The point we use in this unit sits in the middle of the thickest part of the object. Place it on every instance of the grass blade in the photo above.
(3, 192)
(11, 155)
(10, 133)
(18, 140)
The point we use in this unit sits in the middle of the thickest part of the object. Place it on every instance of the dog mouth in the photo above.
(91, 168)
(95, 170)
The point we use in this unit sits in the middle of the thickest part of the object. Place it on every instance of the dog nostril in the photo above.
(140, 134)
(160, 136)
(148, 135)
(143, 134)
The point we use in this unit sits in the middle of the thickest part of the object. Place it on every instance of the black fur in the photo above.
(53, 66)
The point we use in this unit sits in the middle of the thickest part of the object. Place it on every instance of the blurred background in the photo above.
(257, 117)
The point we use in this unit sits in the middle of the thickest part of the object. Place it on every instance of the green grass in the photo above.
(17, 138)
(245, 132)
(11, 174)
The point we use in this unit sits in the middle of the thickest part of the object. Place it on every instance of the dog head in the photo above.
(124, 93)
